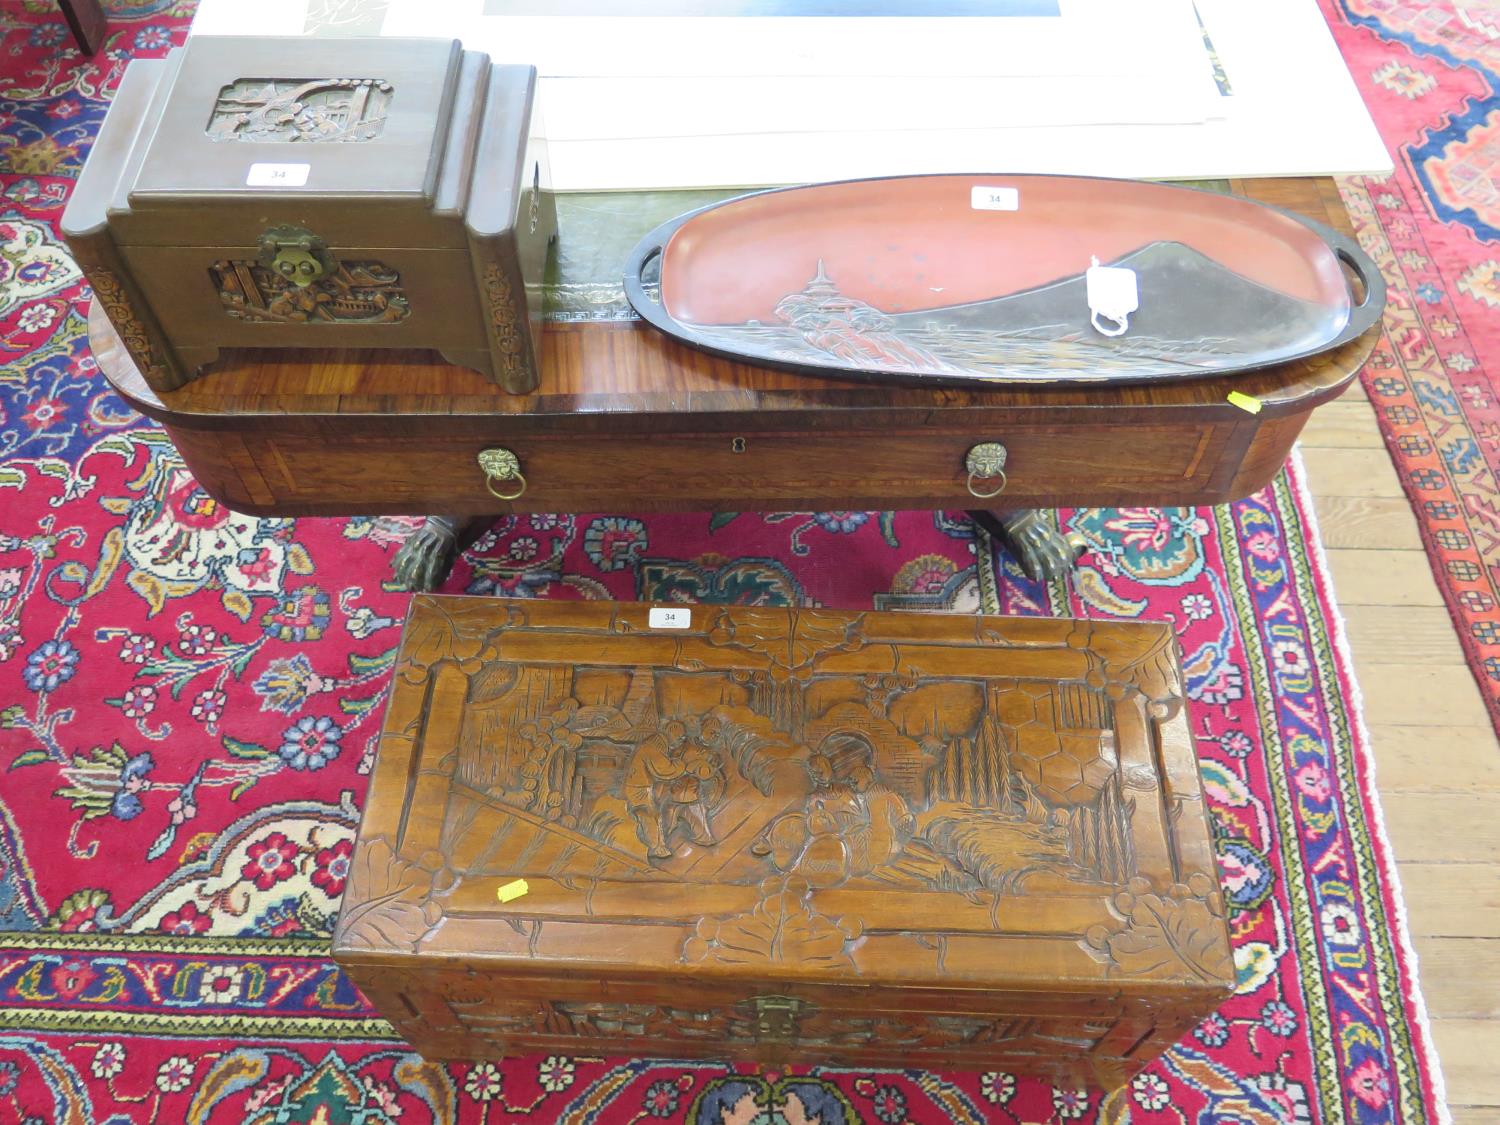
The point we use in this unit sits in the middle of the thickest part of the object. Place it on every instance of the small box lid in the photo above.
(907, 800)
(302, 118)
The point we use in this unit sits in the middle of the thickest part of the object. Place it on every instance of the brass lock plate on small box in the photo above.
(296, 254)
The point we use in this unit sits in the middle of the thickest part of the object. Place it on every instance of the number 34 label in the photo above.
(277, 175)
(660, 618)
(994, 198)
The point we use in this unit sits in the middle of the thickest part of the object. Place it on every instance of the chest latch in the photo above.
(295, 254)
(776, 1017)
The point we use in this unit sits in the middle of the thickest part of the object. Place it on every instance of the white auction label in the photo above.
(1112, 296)
(995, 198)
(670, 618)
(277, 175)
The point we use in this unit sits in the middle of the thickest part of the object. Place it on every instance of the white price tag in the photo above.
(1112, 296)
(994, 198)
(660, 618)
(277, 175)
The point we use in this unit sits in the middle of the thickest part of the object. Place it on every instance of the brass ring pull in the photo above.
(502, 465)
(986, 461)
(974, 492)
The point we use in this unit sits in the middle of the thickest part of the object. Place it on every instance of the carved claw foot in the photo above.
(425, 559)
(1043, 552)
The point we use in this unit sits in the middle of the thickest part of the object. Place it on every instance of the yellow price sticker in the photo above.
(512, 890)
(1244, 402)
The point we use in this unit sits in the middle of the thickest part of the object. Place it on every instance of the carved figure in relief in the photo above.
(302, 109)
(851, 823)
(697, 793)
(834, 780)
(653, 768)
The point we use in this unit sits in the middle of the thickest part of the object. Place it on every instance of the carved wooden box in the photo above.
(874, 839)
(317, 193)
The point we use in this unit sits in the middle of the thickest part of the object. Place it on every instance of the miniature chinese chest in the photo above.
(875, 839)
(315, 193)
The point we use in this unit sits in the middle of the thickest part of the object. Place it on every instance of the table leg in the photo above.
(426, 558)
(87, 21)
(1043, 552)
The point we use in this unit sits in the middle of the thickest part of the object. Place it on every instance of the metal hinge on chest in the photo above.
(776, 1017)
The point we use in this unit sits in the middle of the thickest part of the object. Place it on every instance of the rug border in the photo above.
(1364, 759)
(1391, 433)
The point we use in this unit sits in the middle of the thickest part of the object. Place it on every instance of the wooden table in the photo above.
(627, 419)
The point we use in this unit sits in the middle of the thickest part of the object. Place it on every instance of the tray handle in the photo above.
(1366, 313)
(646, 250)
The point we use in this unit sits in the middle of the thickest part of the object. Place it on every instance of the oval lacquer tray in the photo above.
(958, 279)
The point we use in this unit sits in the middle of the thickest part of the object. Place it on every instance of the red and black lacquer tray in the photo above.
(958, 279)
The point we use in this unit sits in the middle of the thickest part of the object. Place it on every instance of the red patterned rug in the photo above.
(189, 700)
(1428, 72)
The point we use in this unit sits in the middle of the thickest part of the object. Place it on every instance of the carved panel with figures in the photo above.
(799, 831)
(300, 109)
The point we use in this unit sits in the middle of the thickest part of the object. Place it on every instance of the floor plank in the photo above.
(1381, 522)
(1352, 472)
(1383, 634)
(1438, 774)
(1346, 424)
(1354, 392)
(1452, 899)
(1442, 828)
(1362, 577)
(1420, 695)
(1427, 759)
(1469, 1049)
(1454, 971)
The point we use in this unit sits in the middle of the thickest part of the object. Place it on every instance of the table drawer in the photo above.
(316, 473)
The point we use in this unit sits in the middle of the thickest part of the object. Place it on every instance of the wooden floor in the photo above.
(1437, 759)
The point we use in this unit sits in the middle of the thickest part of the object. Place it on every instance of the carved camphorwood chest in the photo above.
(316, 193)
(791, 835)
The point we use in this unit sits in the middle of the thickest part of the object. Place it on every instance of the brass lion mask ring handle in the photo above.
(500, 467)
(986, 462)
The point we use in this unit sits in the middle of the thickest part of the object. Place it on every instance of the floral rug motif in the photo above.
(1430, 73)
(189, 701)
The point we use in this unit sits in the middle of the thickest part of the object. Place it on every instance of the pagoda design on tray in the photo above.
(1194, 312)
(958, 279)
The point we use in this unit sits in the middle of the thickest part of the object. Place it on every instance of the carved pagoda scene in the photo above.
(300, 109)
(875, 781)
(354, 293)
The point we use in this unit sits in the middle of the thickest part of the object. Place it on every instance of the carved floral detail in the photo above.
(450, 629)
(132, 332)
(385, 907)
(507, 330)
(1124, 668)
(781, 929)
(1181, 929)
(792, 640)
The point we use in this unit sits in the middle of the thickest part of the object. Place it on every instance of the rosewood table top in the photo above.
(604, 369)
